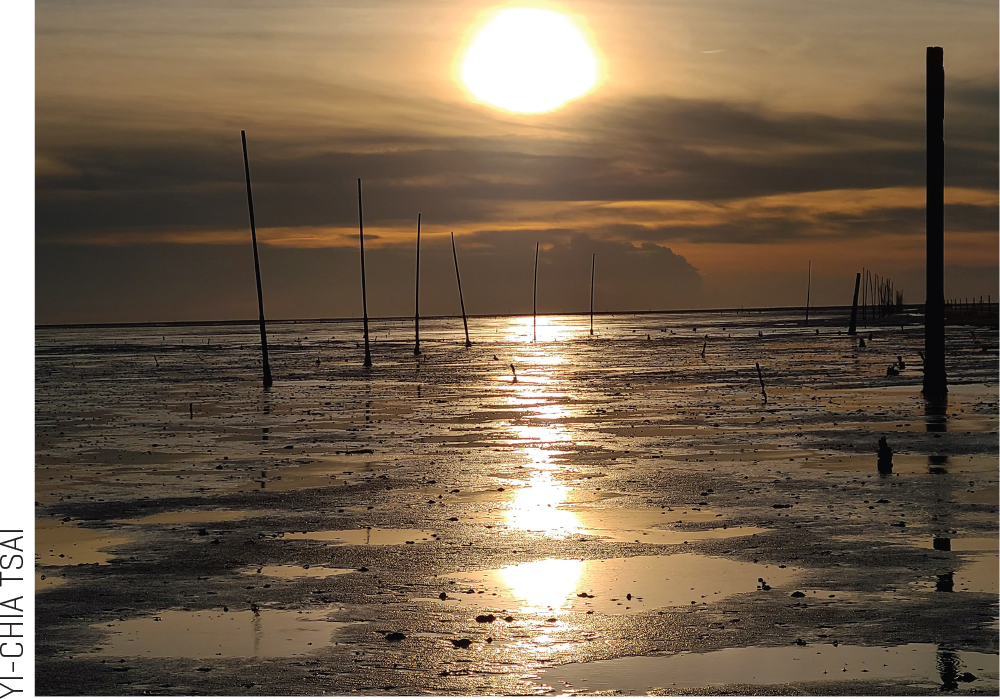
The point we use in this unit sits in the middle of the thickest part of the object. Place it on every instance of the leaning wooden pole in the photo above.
(935, 381)
(256, 266)
(853, 329)
(461, 299)
(416, 298)
(593, 265)
(364, 291)
(534, 297)
(809, 284)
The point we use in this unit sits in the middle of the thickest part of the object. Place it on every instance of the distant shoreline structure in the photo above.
(296, 321)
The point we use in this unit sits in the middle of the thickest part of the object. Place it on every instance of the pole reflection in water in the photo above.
(937, 464)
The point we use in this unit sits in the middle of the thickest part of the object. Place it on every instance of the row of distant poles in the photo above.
(935, 385)
(268, 379)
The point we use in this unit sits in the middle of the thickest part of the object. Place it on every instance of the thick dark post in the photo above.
(416, 297)
(364, 291)
(809, 284)
(935, 381)
(853, 330)
(461, 300)
(864, 295)
(534, 296)
(256, 266)
(593, 265)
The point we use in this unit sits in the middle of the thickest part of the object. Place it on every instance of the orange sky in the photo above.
(737, 140)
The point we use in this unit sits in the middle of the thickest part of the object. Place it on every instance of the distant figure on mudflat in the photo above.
(899, 360)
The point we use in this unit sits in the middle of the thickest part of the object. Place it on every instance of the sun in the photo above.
(529, 60)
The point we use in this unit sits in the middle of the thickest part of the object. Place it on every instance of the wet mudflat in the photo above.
(627, 516)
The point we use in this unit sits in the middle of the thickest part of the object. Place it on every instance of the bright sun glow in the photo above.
(529, 60)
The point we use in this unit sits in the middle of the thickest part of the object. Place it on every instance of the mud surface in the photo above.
(627, 516)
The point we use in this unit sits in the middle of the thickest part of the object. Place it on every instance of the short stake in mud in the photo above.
(760, 376)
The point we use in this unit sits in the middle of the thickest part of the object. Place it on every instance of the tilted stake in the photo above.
(256, 266)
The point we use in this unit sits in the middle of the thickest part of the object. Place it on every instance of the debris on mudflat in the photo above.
(486, 618)
(891, 371)
(443, 596)
(583, 594)
(884, 456)
(395, 636)
(551, 620)
(798, 593)
(508, 619)
(799, 642)
(461, 643)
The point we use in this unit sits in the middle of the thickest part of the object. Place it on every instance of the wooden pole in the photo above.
(809, 289)
(461, 300)
(593, 265)
(256, 266)
(935, 380)
(534, 296)
(416, 297)
(760, 376)
(871, 296)
(364, 291)
(864, 295)
(853, 329)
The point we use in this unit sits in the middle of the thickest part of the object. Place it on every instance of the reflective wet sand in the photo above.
(925, 663)
(625, 500)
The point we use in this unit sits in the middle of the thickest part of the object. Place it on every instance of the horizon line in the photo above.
(254, 321)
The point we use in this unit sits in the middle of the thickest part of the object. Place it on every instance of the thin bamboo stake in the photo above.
(593, 265)
(256, 266)
(364, 291)
(461, 300)
(809, 290)
(416, 297)
(534, 296)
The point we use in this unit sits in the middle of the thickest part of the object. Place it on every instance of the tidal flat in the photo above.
(622, 512)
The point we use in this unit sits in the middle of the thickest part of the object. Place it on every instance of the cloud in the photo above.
(668, 150)
(204, 282)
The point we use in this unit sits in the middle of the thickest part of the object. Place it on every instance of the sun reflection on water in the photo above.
(539, 431)
(543, 329)
(543, 585)
(535, 508)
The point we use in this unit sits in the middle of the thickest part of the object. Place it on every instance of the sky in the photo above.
(726, 145)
